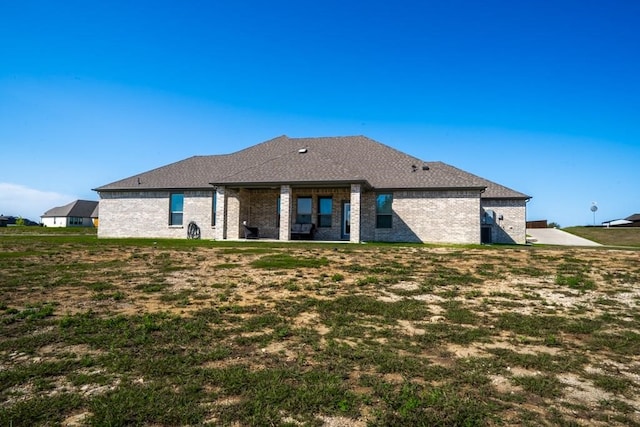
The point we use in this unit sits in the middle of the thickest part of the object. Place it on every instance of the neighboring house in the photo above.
(617, 223)
(349, 188)
(81, 213)
(630, 221)
(634, 219)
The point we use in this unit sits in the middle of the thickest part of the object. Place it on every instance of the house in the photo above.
(349, 188)
(81, 213)
(617, 223)
(630, 221)
(634, 219)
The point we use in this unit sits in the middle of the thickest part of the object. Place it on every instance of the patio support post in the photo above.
(285, 212)
(221, 208)
(355, 213)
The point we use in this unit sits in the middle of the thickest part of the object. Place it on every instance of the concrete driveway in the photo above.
(553, 236)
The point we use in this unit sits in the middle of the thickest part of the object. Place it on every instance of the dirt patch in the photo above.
(474, 306)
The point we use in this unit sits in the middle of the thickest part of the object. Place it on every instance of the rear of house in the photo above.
(347, 188)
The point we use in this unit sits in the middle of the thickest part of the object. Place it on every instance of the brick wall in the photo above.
(338, 195)
(425, 216)
(146, 214)
(418, 216)
(512, 227)
(261, 210)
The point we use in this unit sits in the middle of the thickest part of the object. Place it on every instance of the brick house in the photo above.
(349, 188)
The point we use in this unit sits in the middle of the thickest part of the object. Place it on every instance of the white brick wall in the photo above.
(146, 214)
(219, 232)
(233, 214)
(425, 216)
(418, 216)
(285, 212)
(512, 227)
(356, 201)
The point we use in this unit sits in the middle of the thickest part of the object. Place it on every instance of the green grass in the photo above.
(614, 236)
(48, 231)
(286, 261)
(579, 282)
(169, 332)
(546, 386)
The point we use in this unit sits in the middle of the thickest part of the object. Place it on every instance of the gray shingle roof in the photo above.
(78, 208)
(633, 218)
(311, 161)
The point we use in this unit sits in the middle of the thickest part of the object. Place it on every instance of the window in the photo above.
(176, 209)
(304, 210)
(488, 217)
(74, 220)
(278, 213)
(213, 209)
(383, 210)
(325, 207)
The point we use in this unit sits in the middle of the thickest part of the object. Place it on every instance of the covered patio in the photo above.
(280, 212)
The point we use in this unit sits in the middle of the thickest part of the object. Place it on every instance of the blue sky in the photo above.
(543, 97)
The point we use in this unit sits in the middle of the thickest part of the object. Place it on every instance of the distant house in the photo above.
(617, 223)
(332, 188)
(81, 213)
(635, 220)
(630, 221)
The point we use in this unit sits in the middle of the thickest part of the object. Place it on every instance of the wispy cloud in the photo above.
(19, 200)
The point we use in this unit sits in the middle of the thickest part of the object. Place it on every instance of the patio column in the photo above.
(355, 213)
(285, 212)
(221, 208)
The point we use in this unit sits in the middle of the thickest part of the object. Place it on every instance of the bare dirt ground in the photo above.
(481, 283)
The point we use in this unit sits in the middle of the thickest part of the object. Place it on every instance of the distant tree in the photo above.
(553, 225)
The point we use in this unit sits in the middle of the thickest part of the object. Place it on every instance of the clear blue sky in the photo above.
(543, 97)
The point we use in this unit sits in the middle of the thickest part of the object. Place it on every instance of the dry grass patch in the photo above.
(308, 334)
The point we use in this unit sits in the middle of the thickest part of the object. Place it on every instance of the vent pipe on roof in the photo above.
(302, 150)
(425, 167)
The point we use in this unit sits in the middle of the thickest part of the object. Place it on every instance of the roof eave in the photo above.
(271, 184)
(146, 189)
(527, 198)
(444, 188)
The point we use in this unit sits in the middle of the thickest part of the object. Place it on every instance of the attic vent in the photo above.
(414, 168)
(425, 167)
(302, 150)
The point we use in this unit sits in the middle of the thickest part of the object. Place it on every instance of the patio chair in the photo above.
(250, 232)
